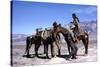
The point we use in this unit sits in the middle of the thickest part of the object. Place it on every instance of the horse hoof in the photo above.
(28, 56)
(85, 54)
(59, 54)
(73, 58)
(24, 56)
(67, 58)
(37, 56)
(53, 56)
(48, 57)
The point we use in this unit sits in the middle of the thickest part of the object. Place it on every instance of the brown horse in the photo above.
(79, 34)
(69, 40)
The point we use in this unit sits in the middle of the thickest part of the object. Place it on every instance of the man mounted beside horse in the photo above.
(79, 34)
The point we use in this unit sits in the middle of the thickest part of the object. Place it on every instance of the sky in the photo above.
(27, 16)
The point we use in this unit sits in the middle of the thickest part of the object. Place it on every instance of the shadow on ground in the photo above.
(41, 56)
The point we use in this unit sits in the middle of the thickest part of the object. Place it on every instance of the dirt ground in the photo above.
(18, 51)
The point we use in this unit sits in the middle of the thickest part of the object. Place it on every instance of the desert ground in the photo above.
(18, 51)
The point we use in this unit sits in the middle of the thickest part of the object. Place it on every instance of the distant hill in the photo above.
(18, 37)
(89, 26)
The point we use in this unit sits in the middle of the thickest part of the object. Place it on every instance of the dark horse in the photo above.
(79, 34)
(34, 39)
(69, 40)
(47, 39)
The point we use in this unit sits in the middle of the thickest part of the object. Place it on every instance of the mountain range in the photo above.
(89, 26)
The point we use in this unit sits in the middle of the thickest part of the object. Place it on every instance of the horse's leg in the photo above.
(85, 42)
(58, 46)
(59, 53)
(28, 54)
(69, 48)
(36, 49)
(30, 47)
(47, 46)
(44, 47)
(52, 50)
(27, 47)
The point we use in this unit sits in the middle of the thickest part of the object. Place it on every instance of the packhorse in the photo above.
(44, 37)
(33, 39)
(49, 39)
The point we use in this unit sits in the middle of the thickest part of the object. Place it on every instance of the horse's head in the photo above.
(59, 29)
(56, 29)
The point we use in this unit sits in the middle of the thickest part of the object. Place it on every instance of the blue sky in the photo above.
(27, 16)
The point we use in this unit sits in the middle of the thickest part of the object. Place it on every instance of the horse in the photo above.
(79, 34)
(44, 37)
(69, 40)
(30, 40)
(28, 45)
(48, 39)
